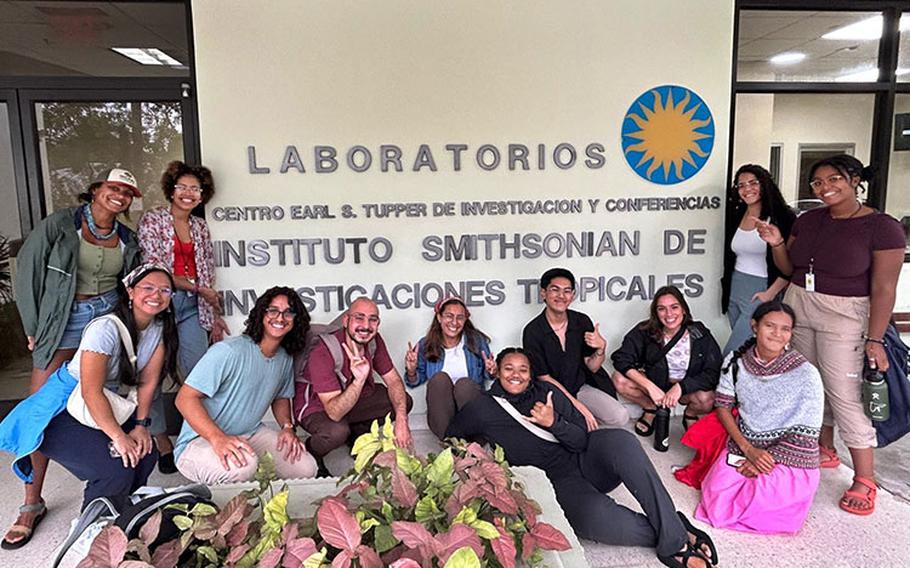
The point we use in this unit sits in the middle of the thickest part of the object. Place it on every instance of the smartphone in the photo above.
(112, 449)
(734, 460)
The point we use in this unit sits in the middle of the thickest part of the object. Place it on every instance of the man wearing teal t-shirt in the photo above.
(230, 389)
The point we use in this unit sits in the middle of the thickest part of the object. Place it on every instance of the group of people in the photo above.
(106, 310)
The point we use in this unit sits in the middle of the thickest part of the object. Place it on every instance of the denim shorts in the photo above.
(82, 312)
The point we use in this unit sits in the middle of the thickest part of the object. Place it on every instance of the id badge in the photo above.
(810, 282)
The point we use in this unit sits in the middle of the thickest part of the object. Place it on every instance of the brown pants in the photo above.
(829, 333)
(445, 398)
(327, 434)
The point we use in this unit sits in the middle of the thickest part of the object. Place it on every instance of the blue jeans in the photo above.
(84, 311)
(739, 312)
(194, 341)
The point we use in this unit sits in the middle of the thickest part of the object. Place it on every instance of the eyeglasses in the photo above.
(273, 312)
(191, 188)
(818, 183)
(746, 184)
(151, 289)
(460, 318)
(557, 290)
(363, 318)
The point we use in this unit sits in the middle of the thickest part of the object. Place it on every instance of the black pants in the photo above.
(83, 451)
(614, 456)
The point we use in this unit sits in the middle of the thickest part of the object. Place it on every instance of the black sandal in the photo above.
(681, 558)
(702, 538)
(686, 418)
(648, 426)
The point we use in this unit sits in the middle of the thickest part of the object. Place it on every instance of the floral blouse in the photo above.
(156, 239)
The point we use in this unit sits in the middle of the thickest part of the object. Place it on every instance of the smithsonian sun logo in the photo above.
(667, 134)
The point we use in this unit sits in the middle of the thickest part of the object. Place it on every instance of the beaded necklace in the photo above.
(93, 228)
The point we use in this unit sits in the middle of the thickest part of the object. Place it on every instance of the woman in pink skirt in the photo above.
(765, 480)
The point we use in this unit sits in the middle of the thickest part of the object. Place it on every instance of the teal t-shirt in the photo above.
(239, 383)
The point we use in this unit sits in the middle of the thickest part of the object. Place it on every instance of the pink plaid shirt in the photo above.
(156, 239)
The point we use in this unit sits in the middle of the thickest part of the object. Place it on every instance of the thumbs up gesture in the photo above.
(410, 360)
(490, 363)
(595, 340)
(543, 414)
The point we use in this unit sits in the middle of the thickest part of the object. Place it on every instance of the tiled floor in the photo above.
(830, 538)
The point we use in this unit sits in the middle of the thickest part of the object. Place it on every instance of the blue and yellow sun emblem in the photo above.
(667, 134)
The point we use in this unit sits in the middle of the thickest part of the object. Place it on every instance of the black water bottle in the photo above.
(875, 393)
(662, 429)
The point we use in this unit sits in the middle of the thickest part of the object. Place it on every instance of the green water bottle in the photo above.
(875, 393)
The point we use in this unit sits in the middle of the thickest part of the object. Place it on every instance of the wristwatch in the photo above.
(144, 422)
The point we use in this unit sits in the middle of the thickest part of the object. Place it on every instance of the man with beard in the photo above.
(341, 401)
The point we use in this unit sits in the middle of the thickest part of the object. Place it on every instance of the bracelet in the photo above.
(873, 340)
(782, 241)
(287, 425)
(599, 353)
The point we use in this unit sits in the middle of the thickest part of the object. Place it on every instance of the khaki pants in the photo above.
(829, 333)
(608, 411)
(199, 463)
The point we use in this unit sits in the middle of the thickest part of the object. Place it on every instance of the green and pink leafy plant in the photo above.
(461, 508)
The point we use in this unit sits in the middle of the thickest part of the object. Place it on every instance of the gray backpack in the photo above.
(320, 333)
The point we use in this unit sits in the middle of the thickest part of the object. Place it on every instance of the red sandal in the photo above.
(867, 498)
(829, 457)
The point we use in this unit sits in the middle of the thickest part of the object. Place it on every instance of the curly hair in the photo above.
(509, 351)
(773, 204)
(124, 311)
(295, 340)
(652, 324)
(177, 169)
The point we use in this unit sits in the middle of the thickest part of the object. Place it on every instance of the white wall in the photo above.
(411, 73)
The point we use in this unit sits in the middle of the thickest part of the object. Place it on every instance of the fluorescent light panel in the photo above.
(867, 75)
(788, 58)
(148, 56)
(868, 29)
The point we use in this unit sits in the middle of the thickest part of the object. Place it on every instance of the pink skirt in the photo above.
(773, 503)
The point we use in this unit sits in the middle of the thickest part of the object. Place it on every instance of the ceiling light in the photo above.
(148, 56)
(868, 29)
(788, 58)
(867, 75)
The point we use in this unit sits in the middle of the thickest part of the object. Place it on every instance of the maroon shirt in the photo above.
(320, 371)
(842, 249)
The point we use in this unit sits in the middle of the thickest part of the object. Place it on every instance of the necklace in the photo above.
(859, 207)
(93, 228)
(560, 327)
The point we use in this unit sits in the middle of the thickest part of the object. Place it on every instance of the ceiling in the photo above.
(74, 38)
(763, 34)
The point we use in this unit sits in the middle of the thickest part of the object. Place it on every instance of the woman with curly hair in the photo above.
(224, 398)
(172, 236)
(750, 275)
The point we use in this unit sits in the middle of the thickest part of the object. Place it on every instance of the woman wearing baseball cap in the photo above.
(66, 275)
(454, 359)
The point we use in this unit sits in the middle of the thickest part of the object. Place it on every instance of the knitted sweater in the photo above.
(780, 409)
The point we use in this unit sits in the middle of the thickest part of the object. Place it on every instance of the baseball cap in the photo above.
(121, 177)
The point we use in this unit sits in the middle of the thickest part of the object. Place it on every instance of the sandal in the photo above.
(686, 418)
(27, 531)
(702, 539)
(648, 427)
(681, 558)
(829, 457)
(867, 498)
